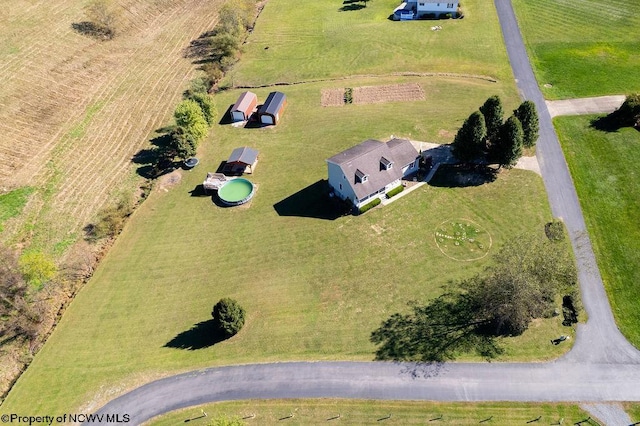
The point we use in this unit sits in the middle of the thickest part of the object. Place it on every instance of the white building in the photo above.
(371, 169)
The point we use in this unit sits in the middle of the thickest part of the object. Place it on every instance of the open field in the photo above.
(74, 110)
(355, 412)
(582, 48)
(605, 172)
(292, 43)
(303, 280)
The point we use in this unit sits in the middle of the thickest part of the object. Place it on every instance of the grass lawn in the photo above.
(634, 411)
(292, 43)
(12, 203)
(357, 412)
(604, 167)
(305, 282)
(582, 48)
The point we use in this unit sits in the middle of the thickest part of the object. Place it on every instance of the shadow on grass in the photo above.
(606, 123)
(313, 201)
(226, 117)
(199, 191)
(202, 335)
(91, 29)
(460, 176)
(152, 164)
(348, 7)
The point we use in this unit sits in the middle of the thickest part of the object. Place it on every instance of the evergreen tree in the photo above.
(228, 316)
(528, 116)
(493, 116)
(469, 143)
(508, 147)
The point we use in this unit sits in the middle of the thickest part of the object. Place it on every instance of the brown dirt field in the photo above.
(388, 93)
(74, 110)
(332, 97)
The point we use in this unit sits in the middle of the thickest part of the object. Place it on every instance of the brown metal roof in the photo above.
(245, 103)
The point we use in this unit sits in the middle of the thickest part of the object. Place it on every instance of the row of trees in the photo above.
(218, 50)
(486, 136)
(524, 282)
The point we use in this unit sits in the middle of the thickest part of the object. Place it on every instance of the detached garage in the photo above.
(271, 111)
(244, 106)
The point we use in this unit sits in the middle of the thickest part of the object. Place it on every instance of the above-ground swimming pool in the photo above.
(236, 191)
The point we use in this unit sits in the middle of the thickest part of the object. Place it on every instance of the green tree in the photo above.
(469, 143)
(629, 112)
(493, 116)
(528, 116)
(224, 45)
(36, 267)
(228, 316)
(207, 106)
(526, 277)
(507, 148)
(189, 116)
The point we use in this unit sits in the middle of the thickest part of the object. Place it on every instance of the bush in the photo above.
(370, 205)
(446, 16)
(110, 221)
(36, 267)
(554, 230)
(395, 191)
(228, 316)
(629, 112)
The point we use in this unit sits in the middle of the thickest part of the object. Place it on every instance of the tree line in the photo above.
(486, 137)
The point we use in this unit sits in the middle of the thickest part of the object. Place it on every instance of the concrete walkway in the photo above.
(582, 106)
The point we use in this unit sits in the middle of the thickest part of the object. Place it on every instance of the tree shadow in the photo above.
(351, 7)
(313, 201)
(151, 161)
(607, 123)
(202, 335)
(460, 176)
(93, 30)
(199, 47)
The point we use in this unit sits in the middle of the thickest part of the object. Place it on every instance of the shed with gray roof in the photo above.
(271, 111)
(242, 160)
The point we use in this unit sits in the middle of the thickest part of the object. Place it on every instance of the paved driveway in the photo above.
(581, 106)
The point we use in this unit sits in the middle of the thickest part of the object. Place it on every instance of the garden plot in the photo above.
(388, 93)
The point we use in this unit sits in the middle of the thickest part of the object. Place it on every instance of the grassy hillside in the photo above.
(582, 48)
(604, 170)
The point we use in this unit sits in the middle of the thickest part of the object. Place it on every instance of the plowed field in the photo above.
(74, 110)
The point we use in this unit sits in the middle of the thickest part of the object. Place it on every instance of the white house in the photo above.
(371, 169)
(437, 8)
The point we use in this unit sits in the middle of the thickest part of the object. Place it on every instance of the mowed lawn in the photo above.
(604, 166)
(582, 48)
(313, 288)
(358, 412)
(291, 43)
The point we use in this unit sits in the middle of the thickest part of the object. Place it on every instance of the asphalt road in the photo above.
(601, 367)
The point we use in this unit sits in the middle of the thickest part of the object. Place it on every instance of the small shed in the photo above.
(244, 106)
(242, 160)
(271, 111)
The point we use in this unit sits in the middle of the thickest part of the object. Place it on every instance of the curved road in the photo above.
(601, 367)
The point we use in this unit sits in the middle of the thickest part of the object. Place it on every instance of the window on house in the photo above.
(385, 164)
(341, 187)
(449, 5)
(421, 4)
(361, 176)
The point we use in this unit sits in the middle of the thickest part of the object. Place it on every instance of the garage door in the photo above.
(266, 119)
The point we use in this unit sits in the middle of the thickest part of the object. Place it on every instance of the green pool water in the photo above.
(236, 191)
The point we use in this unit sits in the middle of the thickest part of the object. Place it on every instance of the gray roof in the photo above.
(273, 103)
(366, 157)
(403, 151)
(244, 155)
